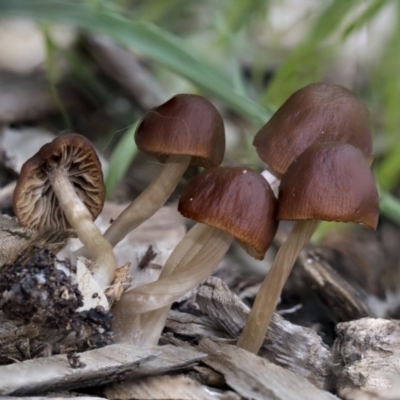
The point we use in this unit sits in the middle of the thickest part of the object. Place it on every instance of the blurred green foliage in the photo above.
(231, 50)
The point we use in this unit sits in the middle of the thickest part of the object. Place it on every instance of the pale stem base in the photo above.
(140, 315)
(270, 290)
(79, 217)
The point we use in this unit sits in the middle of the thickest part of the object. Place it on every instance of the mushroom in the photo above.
(316, 113)
(185, 130)
(328, 181)
(228, 203)
(61, 187)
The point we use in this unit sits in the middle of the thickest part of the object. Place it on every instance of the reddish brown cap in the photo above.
(237, 200)
(35, 203)
(331, 182)
(187, 124)
(316, 113)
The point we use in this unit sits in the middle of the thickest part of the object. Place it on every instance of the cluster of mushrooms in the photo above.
(317, 148)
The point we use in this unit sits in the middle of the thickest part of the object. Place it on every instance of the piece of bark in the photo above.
(98, 367)
(122, 66)
(207, 376)
(370, 258)
(20, 341)
(191, 325)
(170, 360)
(294, 347)
(169, 388)
(346, 301)
(367, 354)
(12, 238)
(371, 394)
(52, 398)
(253, 377)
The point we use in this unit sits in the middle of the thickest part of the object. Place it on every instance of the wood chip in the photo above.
(294, 347)
(170, 358)
(121, 282)
(12, 238)
(371, 394)
(367, 354)
(99, 366)
(346, 301)
(52, 398)
(169, 388)
(255, 378)
(191, 325)
(207, 376)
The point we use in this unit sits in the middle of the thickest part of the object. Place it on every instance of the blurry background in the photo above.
(96, 66)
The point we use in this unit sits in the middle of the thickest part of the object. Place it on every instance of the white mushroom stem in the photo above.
(270, 290)
(140, 315)
(150, 200)
(273, 180)
(80, 219)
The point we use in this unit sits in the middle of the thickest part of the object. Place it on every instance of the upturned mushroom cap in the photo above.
(187, 124)
(314, 114)
(237, 200)
(35, 203)
(331, 182)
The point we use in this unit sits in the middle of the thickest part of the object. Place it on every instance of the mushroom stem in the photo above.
(79, 217)
(141, 313)
(267, 297)
(150, 200)
(273, 180)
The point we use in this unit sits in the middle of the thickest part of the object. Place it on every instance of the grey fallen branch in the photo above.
(294, 347)
(94, 368)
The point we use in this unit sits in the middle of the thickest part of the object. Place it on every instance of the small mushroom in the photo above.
(228, 203)
(329, 181)
(316, 113)
(61, 187)
(185, 130)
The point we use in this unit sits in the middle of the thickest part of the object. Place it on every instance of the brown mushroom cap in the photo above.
(187, 124)
(237, 200)
(35, 203)
(331, 182)
(314, 114)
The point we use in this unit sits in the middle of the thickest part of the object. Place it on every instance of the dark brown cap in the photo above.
(237, 200)
(187, 124)
(35, 203)
(331, 182)
(314, 114)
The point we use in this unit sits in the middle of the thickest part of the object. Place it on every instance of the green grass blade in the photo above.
(161, 46)
(120, 159)
(390, 206)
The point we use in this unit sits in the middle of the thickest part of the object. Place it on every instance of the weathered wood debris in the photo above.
(349, 353)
